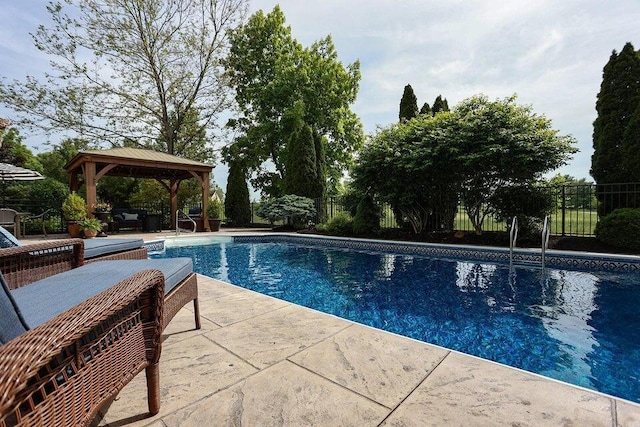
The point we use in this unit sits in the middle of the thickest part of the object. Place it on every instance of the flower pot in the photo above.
(74, 229)
(90, 233)
(214, 224)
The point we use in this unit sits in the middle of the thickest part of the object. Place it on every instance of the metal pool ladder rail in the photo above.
(185, 217)
(546, 231)
(513, 236)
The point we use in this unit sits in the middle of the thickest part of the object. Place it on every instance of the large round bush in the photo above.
(621, 228)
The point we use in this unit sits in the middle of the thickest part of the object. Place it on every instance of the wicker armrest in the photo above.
(26, 264)
(62, 371)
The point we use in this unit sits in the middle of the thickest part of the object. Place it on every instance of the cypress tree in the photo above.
(408, 104)
(618, 99)
(631, 143)
(237, 207)
(302, 176)
(425, 109)
(320, 143)
(440, 105)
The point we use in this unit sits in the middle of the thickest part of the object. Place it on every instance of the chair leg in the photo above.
(153, 387)
(196, 309)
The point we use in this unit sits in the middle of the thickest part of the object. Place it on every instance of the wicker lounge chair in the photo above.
(94, 249)
(62, 370)
(23, 265)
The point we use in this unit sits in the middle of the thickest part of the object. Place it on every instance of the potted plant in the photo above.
(214, 213)
(74, 209)
(90, 227)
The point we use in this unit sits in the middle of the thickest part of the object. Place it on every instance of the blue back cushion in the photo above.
(11, 322)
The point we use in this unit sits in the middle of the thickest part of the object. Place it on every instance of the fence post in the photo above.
(564, 209)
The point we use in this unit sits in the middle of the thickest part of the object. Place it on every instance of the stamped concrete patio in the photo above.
(260, 361)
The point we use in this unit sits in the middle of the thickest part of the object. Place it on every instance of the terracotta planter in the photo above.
(74, 229)
(90, 234)
(214, 224)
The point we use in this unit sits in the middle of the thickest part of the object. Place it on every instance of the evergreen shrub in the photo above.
(620, 228)
(340, 225)
(367, 219)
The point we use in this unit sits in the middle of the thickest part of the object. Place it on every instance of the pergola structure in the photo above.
(90, 166)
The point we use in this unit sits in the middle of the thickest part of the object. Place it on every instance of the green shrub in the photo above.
(528, 203)
(367, 219)
(296, 210)
(74, 207)
(620, 228)
(340, 225)
(214, 209)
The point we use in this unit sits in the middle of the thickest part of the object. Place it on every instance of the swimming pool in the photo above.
(578, 326)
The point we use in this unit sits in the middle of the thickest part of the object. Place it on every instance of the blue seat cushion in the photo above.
(12, 323)
(98, 247)
(45, 299)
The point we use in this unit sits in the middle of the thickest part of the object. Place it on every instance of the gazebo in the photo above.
(169, 170)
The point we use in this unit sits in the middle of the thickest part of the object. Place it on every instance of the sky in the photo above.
(549, 53)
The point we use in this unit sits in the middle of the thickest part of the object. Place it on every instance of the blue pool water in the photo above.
(575, 326)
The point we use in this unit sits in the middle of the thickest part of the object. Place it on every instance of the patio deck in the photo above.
(261, 361)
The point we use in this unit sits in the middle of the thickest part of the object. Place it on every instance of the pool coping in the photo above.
(523, 256)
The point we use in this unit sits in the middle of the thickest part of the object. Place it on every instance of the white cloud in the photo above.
(549, 52)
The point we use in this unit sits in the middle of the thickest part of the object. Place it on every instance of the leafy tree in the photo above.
(129, 69)
(421, 167)
(237, 207)
(618, 100)
(191, 139)
(53, 161)
(14, 152)
(502, 143)
(529, 203)
(49, 194)
(439, 105)
(408, 166)
(408, 104)
(426, 109)
(273, 74)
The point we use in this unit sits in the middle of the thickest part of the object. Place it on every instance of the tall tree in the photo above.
(618, 99)
(270, 72)
(53, 161)
(439, 105)
(425, 109)
(408, 104)
(129, 69)
(237, 206)
(301, 166)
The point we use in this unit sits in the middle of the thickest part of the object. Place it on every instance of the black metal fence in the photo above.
(576, 210)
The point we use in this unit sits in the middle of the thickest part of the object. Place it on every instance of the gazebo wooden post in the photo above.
(90, 185)
(205, 200)
(173, 184)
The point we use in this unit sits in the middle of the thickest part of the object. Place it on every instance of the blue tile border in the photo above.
(154, 246)
(553, 259)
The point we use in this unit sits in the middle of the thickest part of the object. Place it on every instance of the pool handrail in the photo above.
(513, 236)
(546, 231)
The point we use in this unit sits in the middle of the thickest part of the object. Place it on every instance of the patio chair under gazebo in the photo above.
(169, 170)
